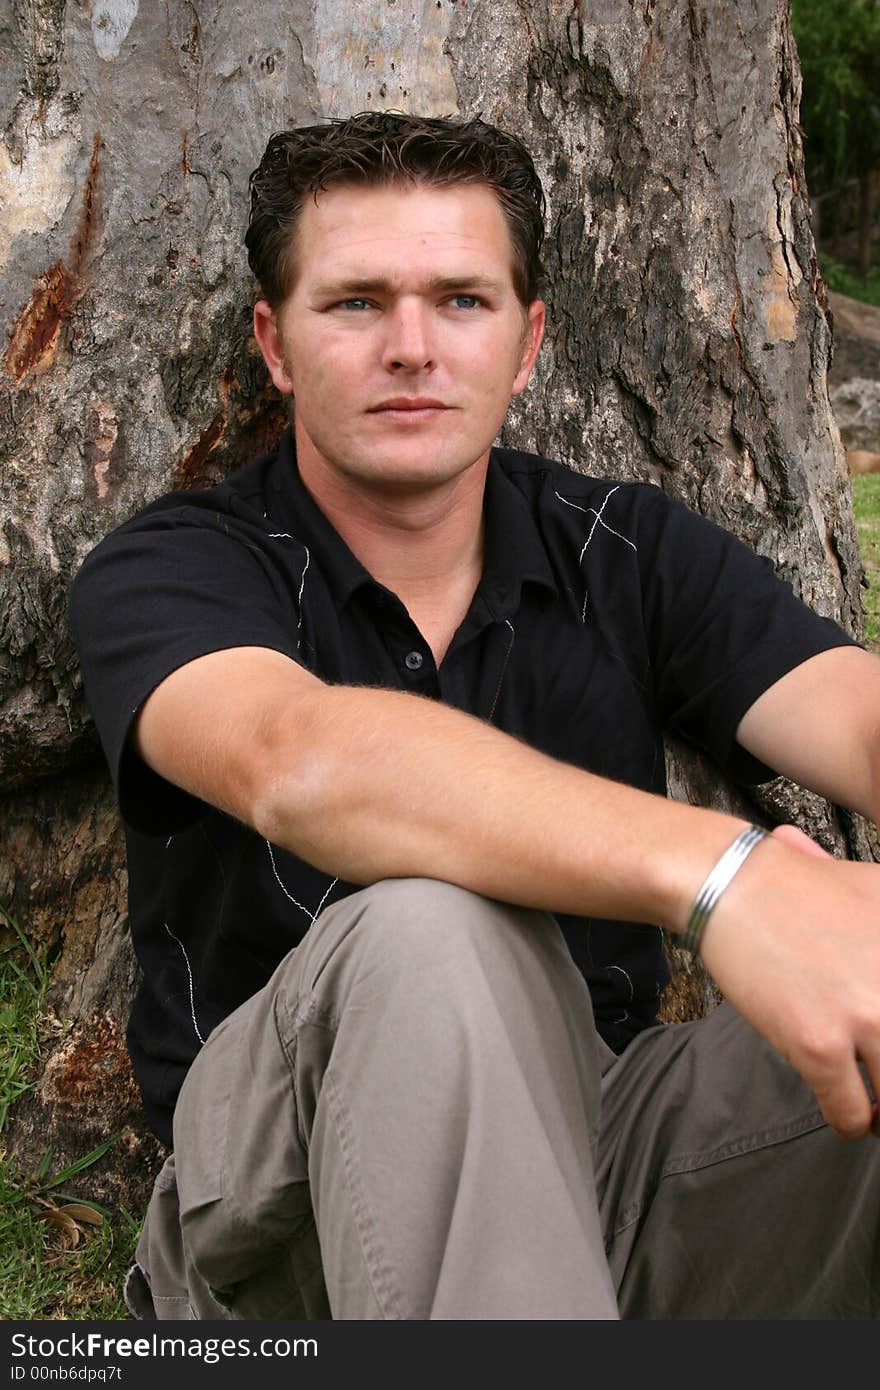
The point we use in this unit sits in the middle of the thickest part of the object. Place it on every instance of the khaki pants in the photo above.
(415, 1118)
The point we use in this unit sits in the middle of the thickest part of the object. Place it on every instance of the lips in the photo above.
(408, 404)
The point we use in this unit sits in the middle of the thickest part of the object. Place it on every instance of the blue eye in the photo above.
(466, 301)
(354, 304)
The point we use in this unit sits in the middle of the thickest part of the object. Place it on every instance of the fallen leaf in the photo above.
(78, 1211)
(68, 1228)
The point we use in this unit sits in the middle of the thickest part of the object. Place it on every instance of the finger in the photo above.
(796, 839)
(870, 1067)
(843, 1096)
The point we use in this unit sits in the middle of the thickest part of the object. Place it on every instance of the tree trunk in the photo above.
(688, 345)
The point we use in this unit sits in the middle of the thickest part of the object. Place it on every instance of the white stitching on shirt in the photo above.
(281, 885)
(286, 536)
(628, 979)
(311, 915)
(324, 899)
(504, 667)
(192, 1000)
(632, 993)
(625, 1015)
(598, 519)
(299, 605)
(597, 515)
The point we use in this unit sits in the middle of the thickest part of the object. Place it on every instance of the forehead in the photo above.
(387, 230)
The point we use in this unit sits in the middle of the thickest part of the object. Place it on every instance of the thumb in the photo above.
(796, 839)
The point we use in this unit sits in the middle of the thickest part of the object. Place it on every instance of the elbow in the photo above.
(293, 793)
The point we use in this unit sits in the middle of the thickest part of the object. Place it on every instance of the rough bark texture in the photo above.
(688, 345)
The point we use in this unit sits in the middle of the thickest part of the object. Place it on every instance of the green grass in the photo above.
(844, 281)
(866, 506)
(41, 1274)
(61, 1256)
(24, 980)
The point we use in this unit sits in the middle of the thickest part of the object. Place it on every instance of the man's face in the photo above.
(402, 339)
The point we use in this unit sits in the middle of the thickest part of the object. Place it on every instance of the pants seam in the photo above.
(379, 1273)
(693, 1162)
(311, 1015)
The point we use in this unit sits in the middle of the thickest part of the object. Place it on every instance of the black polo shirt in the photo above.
(606, 614)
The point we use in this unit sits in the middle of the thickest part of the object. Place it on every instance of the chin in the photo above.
(407, 478)
(391, 472)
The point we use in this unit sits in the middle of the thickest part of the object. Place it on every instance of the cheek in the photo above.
(492, 360)
(314, 377)
(330, 366)
(326, 400)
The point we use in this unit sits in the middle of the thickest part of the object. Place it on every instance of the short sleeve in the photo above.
(721, 628)
(172, 585)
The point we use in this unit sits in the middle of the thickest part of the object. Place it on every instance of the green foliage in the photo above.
(866, 507)
(24, 980)
(839, 47)
(837, 277)
(61, 1255)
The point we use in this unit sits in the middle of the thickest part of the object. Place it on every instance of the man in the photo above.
(391, 697)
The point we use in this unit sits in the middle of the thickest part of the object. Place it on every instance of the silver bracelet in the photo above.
(731, 860)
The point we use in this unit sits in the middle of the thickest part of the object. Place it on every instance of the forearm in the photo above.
(371, 784)
(398, 786)
(820, 726)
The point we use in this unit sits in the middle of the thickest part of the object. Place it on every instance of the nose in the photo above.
(408, 340)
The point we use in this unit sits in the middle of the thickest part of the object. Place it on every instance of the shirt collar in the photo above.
(514, 550)
(298, 511)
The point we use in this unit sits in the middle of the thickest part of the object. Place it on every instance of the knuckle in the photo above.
(869, 1026)
(822, 1052)
(850, 1124)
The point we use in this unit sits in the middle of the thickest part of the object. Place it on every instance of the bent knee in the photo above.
(418, 900)
(429, 923)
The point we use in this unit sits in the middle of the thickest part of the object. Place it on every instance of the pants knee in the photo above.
(426, 924)
(431, 941)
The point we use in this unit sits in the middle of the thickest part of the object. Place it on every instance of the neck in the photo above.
(424, 544)
(415, 541)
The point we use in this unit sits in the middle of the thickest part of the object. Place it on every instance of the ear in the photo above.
(269, 342)
(536, 318)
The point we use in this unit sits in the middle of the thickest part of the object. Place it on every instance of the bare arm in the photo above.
(370, 784)
(820, 726)
(798, 943)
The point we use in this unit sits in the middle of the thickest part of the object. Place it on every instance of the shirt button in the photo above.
(413, 661)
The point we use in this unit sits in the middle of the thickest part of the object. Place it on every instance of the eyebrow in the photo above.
(447, 284)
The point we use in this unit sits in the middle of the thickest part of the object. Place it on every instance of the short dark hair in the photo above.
(386, 147)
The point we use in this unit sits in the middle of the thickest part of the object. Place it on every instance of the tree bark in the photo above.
(688, 345)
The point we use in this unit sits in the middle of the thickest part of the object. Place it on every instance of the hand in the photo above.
(794, 943)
